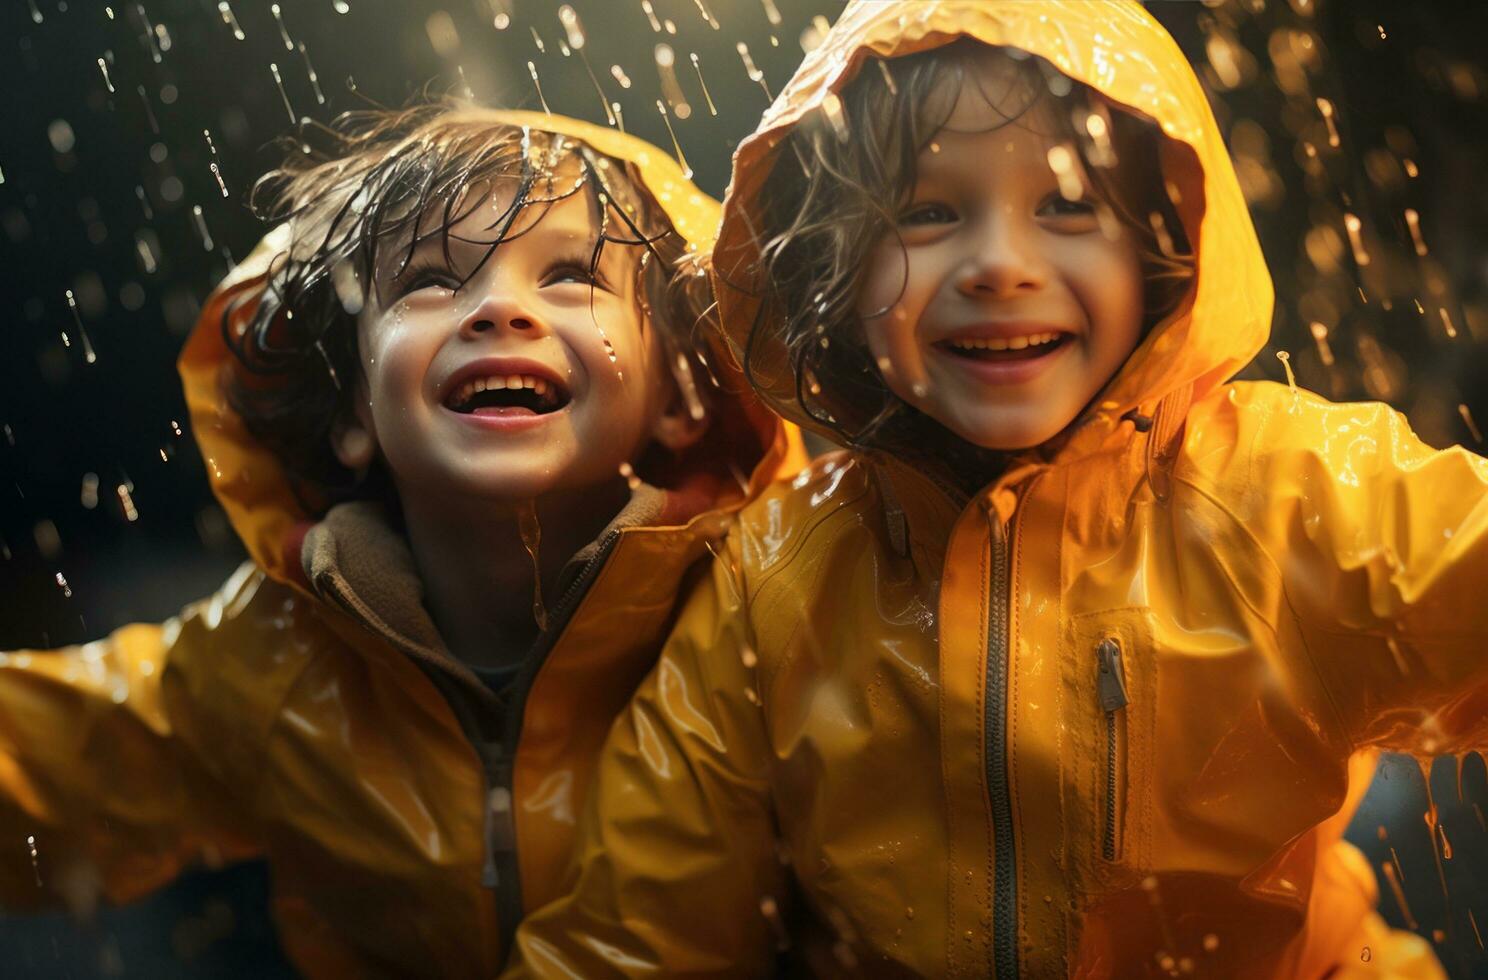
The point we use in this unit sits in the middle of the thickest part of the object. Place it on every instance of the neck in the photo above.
(480, 580)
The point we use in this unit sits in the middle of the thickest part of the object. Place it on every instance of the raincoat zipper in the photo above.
(1111, 684)
(500, 872)
(1004, 880)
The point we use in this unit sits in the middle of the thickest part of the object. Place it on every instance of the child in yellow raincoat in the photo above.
(1059, 669)
(449, 406)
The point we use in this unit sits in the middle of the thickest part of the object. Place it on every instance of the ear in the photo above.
(353, 440)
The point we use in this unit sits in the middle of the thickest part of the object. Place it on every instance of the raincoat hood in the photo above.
(1119, 50)
(259, 495)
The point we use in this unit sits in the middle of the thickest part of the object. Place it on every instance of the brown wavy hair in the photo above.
(834, 191)
(379, 183)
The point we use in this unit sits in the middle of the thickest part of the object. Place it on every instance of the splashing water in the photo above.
(531, 532)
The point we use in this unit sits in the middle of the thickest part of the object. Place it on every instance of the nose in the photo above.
(500, 313)
(1006, 259)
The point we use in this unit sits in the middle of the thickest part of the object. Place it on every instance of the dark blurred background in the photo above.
(1359, 132)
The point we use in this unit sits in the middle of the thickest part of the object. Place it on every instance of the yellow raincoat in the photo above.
(1096, 720)
(308, 712)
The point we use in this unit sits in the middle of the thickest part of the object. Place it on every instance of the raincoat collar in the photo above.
(1118, 49)
(743, 446)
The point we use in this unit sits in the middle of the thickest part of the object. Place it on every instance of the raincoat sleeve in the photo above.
(100, 793)
(1382, 546)
(677, 869)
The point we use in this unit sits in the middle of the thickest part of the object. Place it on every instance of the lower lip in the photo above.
(505, 420)
(1007, 372)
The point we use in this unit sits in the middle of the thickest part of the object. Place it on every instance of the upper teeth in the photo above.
(1005, 343)
(470, 389)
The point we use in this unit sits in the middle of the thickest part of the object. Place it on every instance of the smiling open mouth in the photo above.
(996, 349)
(507, 395)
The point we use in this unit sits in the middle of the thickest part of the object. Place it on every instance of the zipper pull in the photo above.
(1110, 679)
(501, 833)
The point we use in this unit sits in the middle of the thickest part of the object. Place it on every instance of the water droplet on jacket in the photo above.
(1365, 954)
(909, 912)
(35, 865)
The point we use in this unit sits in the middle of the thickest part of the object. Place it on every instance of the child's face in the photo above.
(530, 328)
(1016, 308)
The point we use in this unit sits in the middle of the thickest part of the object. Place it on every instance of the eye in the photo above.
(417, 277)
(1059, 206)
(572, 271)
(930, 213)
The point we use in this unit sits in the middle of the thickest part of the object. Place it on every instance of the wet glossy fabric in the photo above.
(1289, 584)
(264, 722)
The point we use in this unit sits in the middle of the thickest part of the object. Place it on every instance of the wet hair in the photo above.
(381, 183)
(834, 191)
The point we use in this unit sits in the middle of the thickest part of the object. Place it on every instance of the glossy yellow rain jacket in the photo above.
(309, 713)
(1097, 720)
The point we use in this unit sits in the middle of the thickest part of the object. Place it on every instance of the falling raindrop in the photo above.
(688, 384)
(686, 170)
(89, 495)
(201, 227)
(149, 110)
(1286, 362)
(1062, 162)
(532, 70)
(832, 109)
(30, 840)
(1326, 108)
(1356, 240)
(231, 20)
(341, 6)
(314, 78)
(629, 474)
(707, 14)
(537, 40)
(755, 75)
(1320, 337)
(103, 67)
(651, 16)
(1413, 221)
(62, 584)
(770, 909)
(620, 76)
(126, 503)
(712, 109)
(150, 38)
(279, 84)
(1472, 426)
(216, 170)
(36, 18)
(666, 60)
(283, 31)
(88, 354)
(772, 13)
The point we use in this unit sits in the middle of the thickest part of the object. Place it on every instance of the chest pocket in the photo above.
(1109, 756)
